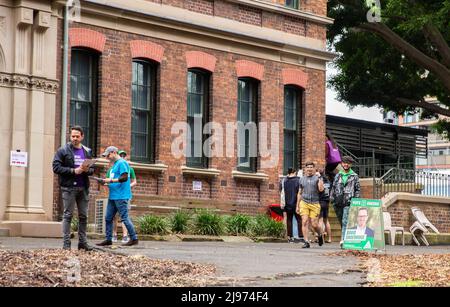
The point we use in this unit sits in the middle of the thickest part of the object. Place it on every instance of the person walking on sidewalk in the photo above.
(309, 208)
(290, 186)
(119, 195)
(125, 237)
(324, 200)
(346, 186)
(68, 163)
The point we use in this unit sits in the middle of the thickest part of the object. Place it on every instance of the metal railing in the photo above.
(378, 170)
(412, 181)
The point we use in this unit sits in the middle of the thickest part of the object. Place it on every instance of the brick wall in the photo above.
(114, 111)
(437, 213)
(200, 6)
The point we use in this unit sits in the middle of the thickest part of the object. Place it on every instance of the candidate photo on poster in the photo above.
(362, 228)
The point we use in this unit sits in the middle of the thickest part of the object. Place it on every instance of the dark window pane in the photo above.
(197, 106)
(82, 100)
(142, 122)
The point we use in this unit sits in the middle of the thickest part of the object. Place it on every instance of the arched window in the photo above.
(83, 94)
(292, 104)
(248, 89)
(143, 112)
(197, 116)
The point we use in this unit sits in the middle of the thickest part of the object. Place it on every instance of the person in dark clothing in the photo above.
(68, 163)
(324, 200)
(291, 189)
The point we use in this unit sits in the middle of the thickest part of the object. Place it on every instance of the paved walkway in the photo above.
(251, 264)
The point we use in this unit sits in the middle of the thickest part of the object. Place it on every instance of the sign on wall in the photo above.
(196, 185)
(365, 229)
(19, 158)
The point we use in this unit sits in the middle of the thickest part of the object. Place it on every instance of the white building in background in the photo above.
(438, 159)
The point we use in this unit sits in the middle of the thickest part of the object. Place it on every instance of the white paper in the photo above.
(19, 158)
(196, 185)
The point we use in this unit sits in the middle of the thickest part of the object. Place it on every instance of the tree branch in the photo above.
(435, 108)
(383, 31)
(436, 38)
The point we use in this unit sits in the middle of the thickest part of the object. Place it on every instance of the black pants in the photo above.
(289, 215)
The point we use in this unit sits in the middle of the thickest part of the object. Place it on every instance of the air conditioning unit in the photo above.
(100, 214)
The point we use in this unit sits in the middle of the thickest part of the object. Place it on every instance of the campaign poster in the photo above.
(365, 229)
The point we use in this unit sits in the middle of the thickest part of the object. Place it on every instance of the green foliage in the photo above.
(372, 71)
(264, 226)
(74, 224)
(179, 221)
(208, 223)
(238, 224)
(409, 283)
(151, 224)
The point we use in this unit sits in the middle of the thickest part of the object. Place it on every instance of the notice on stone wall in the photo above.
(19, 158)
(196, 185)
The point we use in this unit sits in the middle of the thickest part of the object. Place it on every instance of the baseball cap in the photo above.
(122, 152)
(347, 159)
(109, 150)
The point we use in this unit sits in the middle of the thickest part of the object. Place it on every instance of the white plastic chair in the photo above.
(391, 229)
(416, 226)
(422, 219)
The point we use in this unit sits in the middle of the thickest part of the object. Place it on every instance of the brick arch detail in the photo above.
(295, 77)
(198, 59)
(147, 50)
(249, 69)
(80, 37)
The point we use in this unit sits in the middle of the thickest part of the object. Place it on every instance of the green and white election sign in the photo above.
(365, 229)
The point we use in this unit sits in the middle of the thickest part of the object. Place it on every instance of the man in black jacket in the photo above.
(74, 183)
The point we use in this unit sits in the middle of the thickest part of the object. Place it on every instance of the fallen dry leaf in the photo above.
(55, 267)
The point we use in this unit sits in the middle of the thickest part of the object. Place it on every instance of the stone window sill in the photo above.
(156, 168)
(249, 176)
(206, 172)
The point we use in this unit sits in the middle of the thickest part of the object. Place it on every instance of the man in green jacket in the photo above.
(345, 187)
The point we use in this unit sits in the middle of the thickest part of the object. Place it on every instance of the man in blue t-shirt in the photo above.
(119, 195)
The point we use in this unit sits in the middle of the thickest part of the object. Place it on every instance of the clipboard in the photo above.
(89, 163)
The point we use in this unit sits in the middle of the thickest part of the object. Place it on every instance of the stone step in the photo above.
(4, 232)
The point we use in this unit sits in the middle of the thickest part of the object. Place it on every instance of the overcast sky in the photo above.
(334, 107)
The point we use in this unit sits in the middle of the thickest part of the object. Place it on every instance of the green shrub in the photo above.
(152, 224)
(179, 221)
(208, 223)
(238, 224)
(74, 224)
(263, 225)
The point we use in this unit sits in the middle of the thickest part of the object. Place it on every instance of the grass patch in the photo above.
(238, 224)
(263, 225)
(208, 223)
(179, 221)
(408, 283)
(152, 224)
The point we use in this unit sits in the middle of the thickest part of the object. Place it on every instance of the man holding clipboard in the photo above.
(73, 163)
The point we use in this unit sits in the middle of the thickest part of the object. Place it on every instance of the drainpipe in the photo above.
(65, 73)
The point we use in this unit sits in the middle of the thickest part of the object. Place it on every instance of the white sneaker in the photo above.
(114, 239)
(125, 239)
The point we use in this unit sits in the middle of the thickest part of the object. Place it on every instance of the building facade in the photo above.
(136, 69)
(438, 158)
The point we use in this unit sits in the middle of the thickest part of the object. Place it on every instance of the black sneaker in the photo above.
(306, 245)
(84, 246)
(104, 243)
(131, 243)
(299, 240)
(66, 247)
(291, 240)
(321, 240)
